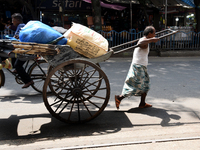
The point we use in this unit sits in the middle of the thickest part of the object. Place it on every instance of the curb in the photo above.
(179, 53)
(172, 53)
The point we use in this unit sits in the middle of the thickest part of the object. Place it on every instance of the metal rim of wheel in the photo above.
(83, 92)
(38, 74)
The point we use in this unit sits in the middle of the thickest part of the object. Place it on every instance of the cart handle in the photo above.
(173, 32)
(132, 47)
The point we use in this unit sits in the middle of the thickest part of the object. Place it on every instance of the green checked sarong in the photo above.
(137, 81)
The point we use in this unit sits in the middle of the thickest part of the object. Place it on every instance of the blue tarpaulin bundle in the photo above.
(38, 32)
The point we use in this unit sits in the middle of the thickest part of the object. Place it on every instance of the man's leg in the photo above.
(22, 73)
(143, 104)
(143, 97)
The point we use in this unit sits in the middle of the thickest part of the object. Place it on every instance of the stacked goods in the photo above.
(86, 41)
(34, 48)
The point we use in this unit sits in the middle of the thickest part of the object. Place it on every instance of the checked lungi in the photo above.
(137, 81)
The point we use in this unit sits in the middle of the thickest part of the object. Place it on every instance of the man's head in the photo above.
(17, 19)
(149, 32)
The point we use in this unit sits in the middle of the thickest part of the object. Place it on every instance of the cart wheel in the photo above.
(69, 68)
(80, 91)
(38, 73)
(2, 78)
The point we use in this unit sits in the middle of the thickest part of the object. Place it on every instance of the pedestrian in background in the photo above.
(4, 61)
(2, 24)
(137, 82)
(7, 27)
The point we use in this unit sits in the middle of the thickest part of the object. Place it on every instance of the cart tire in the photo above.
(2, 78)
(79, 94)
(38, 74)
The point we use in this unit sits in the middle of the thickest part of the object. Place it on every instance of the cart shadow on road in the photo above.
(42, 127)
(32, 128)
(34, 99)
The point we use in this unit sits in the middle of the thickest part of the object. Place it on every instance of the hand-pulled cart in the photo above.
(80, 90)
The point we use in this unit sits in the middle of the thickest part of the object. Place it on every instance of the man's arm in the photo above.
(19, 27)
(143, 43)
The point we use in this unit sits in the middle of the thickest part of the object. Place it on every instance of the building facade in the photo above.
(134, 15)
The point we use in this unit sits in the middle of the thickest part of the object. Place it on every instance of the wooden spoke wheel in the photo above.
(38, 73)
(80, 91)
(69, 69)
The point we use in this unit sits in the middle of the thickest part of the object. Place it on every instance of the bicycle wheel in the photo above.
(80, 93)
(2, 78)
(38, 72)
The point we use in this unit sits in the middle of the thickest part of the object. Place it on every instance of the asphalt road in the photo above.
(174, 118)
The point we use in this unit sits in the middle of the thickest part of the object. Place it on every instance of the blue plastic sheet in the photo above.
(38, 32)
